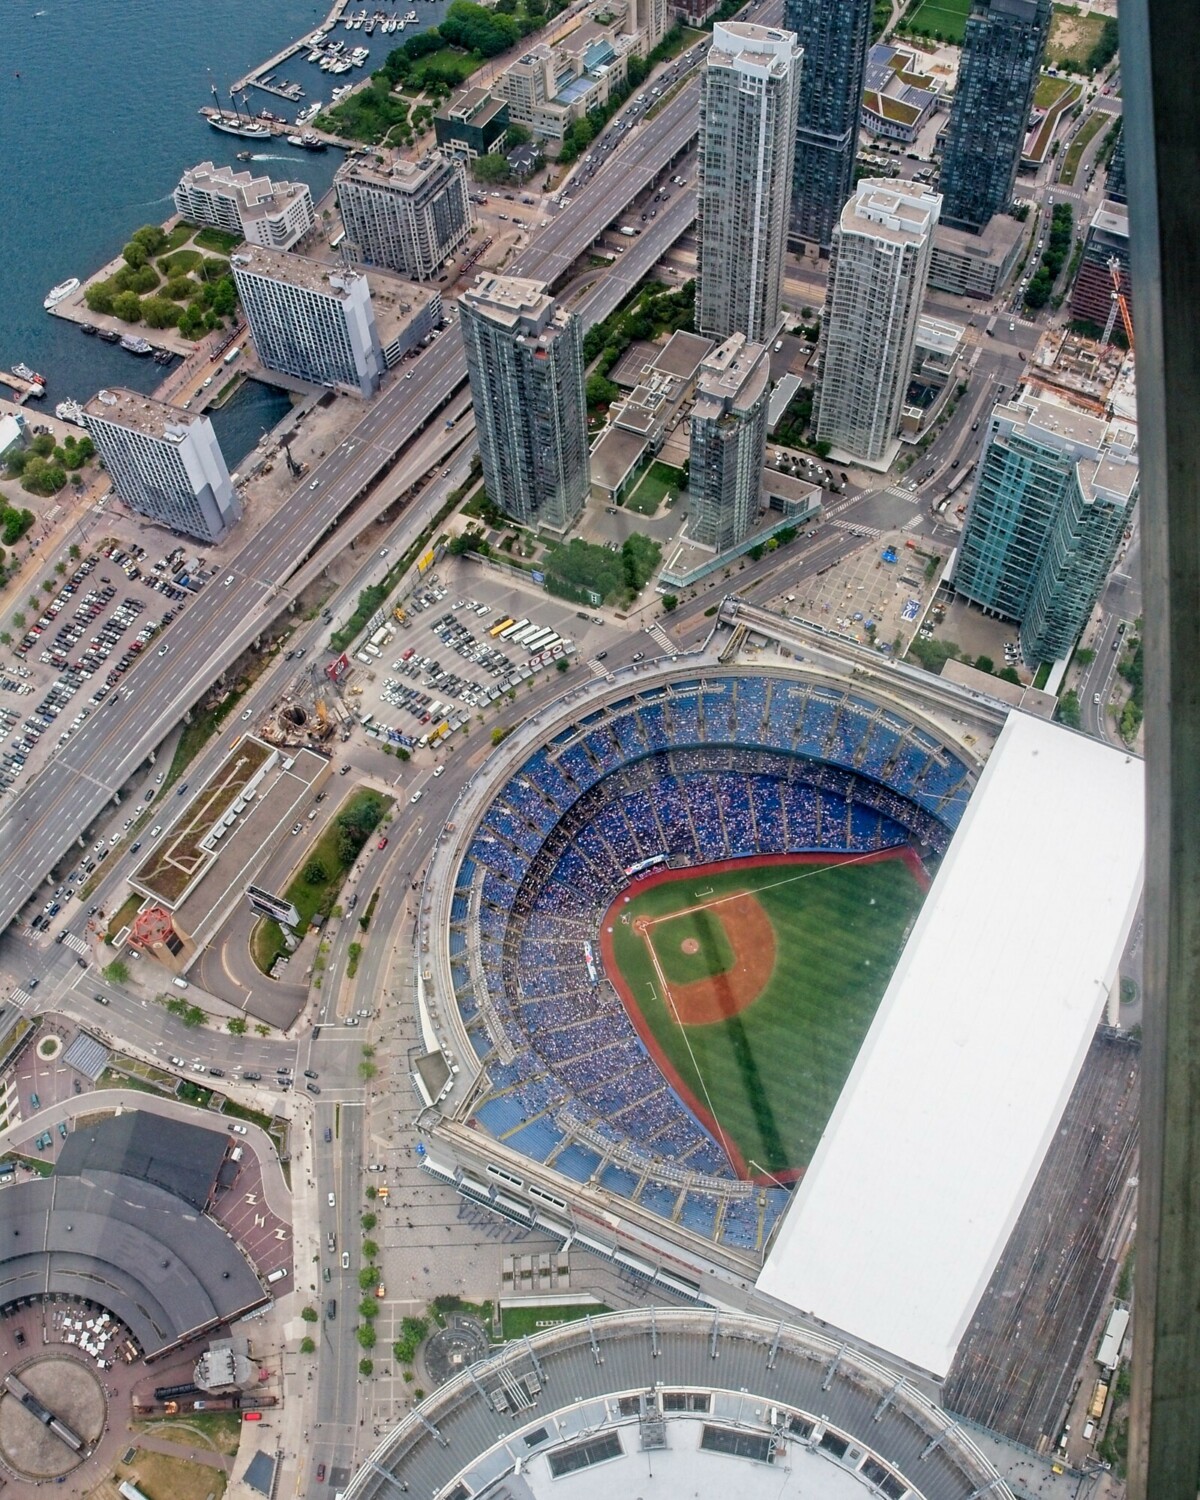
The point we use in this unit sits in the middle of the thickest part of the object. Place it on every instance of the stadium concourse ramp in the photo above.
(570, 1126)
(719, 1404)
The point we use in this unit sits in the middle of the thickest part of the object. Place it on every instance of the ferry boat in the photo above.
(23, 372)
(64, 289)
(69, 411)
(134, 345)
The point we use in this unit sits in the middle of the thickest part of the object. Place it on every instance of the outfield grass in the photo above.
(772, 1074)
(947, 17)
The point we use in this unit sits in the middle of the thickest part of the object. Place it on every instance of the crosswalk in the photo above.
(597, 668)
(22, 997)
(902, 492)
(856, 528)
(76, 944)
(662, 638)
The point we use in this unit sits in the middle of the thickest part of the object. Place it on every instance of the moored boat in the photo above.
(57, 293)
(90, 329)
(134, 345)
(23, 372)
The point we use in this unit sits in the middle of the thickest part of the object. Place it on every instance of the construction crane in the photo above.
(1119, 301)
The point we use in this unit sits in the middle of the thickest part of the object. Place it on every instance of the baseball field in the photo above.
(753, 984)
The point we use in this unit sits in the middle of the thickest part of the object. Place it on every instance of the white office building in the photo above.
(407, 217)
(273, 214)
(311, 321)
(877, 275)
(750, 94)
(165, 463)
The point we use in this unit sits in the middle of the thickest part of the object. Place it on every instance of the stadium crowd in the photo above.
(723, 768)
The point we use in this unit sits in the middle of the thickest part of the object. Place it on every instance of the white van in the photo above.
(180, 983)
(277, 1275)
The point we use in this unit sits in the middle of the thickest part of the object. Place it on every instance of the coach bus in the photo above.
(514, 630)
(525, 633)
(540, 641)
(503, 625)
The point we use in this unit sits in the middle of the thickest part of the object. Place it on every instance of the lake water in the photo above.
(99, 118)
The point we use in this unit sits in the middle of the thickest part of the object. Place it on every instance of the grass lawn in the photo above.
(1086, 133)
(773, 1072)
(949, 17)
(220, 241)
(163, 1474)
(519, 1322)
(1049, 91)
(658, 481)
(219, 1431)
(688, 37)
(179, 236)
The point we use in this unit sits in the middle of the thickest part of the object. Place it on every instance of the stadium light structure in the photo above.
(1160, 41)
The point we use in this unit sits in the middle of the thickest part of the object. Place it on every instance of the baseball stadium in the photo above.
(672, 923)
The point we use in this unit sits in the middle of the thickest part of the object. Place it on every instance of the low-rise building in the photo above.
(549, 87)
(311, 321)
(474, 123)
(275, 215)
(898, 97)
(408, 216)
(406, 314)
(639, 421)
(976, 265)
(165, 463)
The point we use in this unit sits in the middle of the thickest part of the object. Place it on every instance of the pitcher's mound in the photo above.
(690, 945)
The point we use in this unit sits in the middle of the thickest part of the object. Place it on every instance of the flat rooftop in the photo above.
(962, 1080)
(158, 419)
(882, 210)
(994, 242)
(294, 270)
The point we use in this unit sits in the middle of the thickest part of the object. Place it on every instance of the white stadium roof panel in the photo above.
(959, 1087)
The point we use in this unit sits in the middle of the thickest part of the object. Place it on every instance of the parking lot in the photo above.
(466, 639)
(83, 632)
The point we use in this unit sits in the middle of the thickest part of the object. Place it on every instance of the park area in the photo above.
(753, 983)
(660, 482)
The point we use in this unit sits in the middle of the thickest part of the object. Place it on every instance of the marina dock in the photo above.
(23, 388)
(264, 70)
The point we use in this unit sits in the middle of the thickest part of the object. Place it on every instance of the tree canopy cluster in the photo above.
(1058, 247)
(578, 568)
(138, 293)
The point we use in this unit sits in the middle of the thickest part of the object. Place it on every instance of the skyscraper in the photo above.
(877, 275)
(165, 463)
(408, 217)
(310, 320)
(1054, 492)
(748, 100)
(525, 362)
(1002, 53)
(835, 38)
(728, 443)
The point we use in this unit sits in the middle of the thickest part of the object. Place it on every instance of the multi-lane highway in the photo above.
(63, 801)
